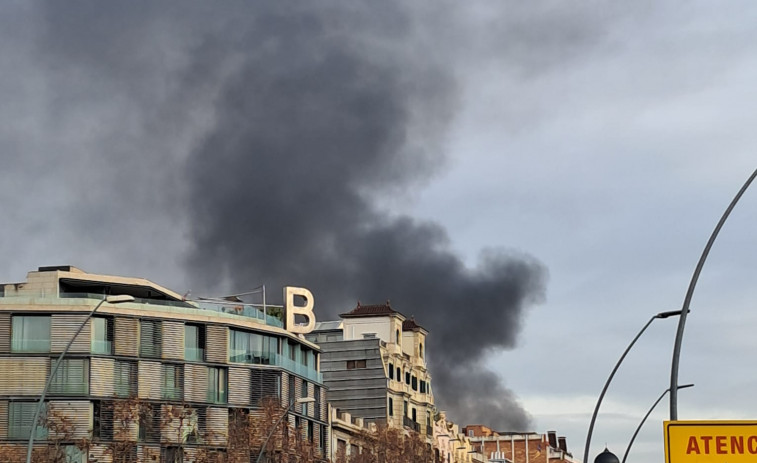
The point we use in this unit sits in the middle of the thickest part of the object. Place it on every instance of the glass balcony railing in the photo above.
(194, 354)
(171, 393)
(69, 388)
(255, 311)
(102, 347)
(269, 358)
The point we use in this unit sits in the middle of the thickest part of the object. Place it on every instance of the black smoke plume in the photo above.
(271, 136)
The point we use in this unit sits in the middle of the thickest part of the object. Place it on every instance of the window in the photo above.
(72, 377)
(293, 349)
(423, 387)
(354, 450)
(216, 385)
(20, 418)
(470, 433)
(172, 455)
(172, 381)
(391, 407)
(304, 394)
(414, 383)
(149, 338)
(420, 350)
(317, 403)
(246, 347)
(30, 333)
(399, 374)
(149, 423)
(73, 454)
(415, 416)
(193, 424)
(102, 420)
(291, 388)
(265, 384)
(352, 364)
(407, 377)
(404, 412)
(102, 335)
(397, 336)
(341, 448)
(124, 378)
(391, 371)
(194, 342)
(311, 432)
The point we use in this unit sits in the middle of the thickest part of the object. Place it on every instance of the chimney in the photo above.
(552, 436)
(563, 444)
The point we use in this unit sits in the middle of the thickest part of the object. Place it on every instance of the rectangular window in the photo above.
(414, 383)
(293, 349)
(102, 420)
(423, 387)
(20, 418)
(217, 385)
(322, 439)
(407, 377)
(30, 333)
(354, 450)
(194, 343)
(291, 388)
(391, 407)
(391, 371)
(124, 378)
(405, 409)
(102, 335)
(255, 348)
(172, 381)
(304, 406)
(317, 403)
(265, 384)
(353, 364)
(72, 377)
(172, 455)
(150, 337)
(311, 433)
(73, 454)
(149, 423)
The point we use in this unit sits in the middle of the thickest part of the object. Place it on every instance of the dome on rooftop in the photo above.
(606, 457)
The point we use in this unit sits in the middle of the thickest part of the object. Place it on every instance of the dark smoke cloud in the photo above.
(267, 136)
(310, 131)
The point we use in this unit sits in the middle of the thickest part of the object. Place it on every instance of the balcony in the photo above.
(272, 358)
(194, 354)
(407, 422)
(256, 311)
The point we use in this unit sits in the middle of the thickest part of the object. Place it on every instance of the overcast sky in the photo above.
(592, 145)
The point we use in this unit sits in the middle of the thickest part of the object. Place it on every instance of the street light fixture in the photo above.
(690, 292)
(302, 400)
(643, 420)
(667, 314)
(118, 299)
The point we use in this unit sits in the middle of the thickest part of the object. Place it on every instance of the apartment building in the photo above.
(190, 366)
(519, 447)
(374, 366)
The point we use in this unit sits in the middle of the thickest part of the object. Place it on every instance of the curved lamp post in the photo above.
(612, 374)
(687, 300)
(109, 299)
(302, 400)
(643, 420)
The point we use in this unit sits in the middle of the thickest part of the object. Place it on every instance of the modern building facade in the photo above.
(156, 379)
(374, 367)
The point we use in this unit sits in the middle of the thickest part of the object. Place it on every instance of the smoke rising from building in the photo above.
(272, 134)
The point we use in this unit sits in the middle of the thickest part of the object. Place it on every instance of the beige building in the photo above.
(374, 365)
(190, 366)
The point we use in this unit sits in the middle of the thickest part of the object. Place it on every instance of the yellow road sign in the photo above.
(710, 441)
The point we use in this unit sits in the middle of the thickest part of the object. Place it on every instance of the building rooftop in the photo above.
(370, 311)
(411, 325)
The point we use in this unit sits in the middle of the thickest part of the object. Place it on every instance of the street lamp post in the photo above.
(643, 420)
(690, 292)
(303, 400)
(612, 374)
(109, 299)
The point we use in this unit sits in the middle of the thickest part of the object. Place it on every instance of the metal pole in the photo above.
(612, 374)
(687, 300)
(268, 437)
(54, 369)
(643, 420)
